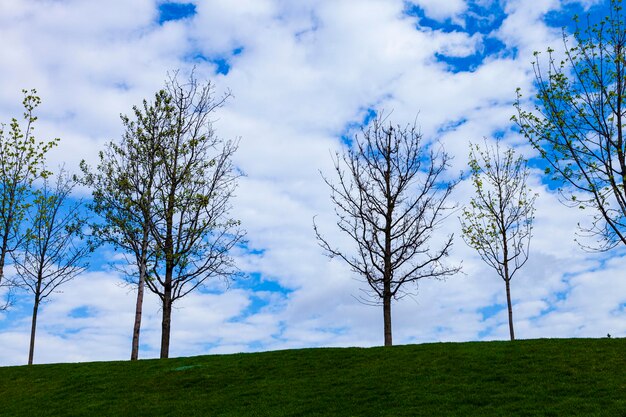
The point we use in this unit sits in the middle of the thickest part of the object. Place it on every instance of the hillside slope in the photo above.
(534, 377)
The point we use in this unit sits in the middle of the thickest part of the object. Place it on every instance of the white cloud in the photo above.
(307, 70)
(441, 10)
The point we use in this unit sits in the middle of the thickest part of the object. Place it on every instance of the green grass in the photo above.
(551, 377)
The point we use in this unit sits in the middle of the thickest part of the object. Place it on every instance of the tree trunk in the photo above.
(507, 276)
(168, 252)
(5, 237)
(167, 316)
(134, 355)
(387, 276)
(387, 318)
(3, 254)
(33, 328)
(165, 329)
(510, 306)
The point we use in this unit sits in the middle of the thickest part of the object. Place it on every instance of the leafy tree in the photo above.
(498, 221)
(123, 194)
(578, 123)
(53, 250)
(21, 159)
(196, 180)
(164, 194)
(390, 199)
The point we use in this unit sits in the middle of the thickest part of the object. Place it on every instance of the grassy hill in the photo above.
(558, 377)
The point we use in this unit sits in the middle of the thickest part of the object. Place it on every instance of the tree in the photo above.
(390, 199)
(21, 158)
(498, 222)
(123, 194)
(53, 250)
(194, 184)
(578, 123)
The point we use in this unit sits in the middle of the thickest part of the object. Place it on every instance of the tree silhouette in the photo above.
(390, 199)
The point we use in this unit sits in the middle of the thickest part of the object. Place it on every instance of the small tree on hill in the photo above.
(196, 181)
(53, 250)
(498, 221)
(123, 195)
(21, 158)
(165, 193)
(390, 199)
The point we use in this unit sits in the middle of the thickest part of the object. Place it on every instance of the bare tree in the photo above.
(390, 199)
(578, 124)
(498, 221)
(123, 195)
(194, 186)
(21, 158)
(53, 250)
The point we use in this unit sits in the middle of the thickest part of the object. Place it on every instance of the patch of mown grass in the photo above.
(551, 377)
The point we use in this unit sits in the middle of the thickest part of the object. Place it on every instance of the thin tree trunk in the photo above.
(134, 355)
(387, 318)
(146, 205)
(167, 316)
(165, 329)
(168, 250)
(3, 254)
(5, 237)
(387, 254)
(507, 276)
(510, 306)
(33, 328)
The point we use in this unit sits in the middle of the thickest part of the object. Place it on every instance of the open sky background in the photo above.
(304, 74)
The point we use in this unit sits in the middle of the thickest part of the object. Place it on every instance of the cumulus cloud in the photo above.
(303, 74)
(441, 10)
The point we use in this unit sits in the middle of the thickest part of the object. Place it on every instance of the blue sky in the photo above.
(304, 75)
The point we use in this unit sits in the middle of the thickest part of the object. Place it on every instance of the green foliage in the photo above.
(577, 121)
(22, 159)
(163, 182)
(21, 155)
(194, 180)
(163, 194)
(551, 377)
(498, 221)
(123, 182)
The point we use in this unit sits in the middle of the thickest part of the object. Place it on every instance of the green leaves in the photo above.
(578, 118)
(498, 221)
(22, 160)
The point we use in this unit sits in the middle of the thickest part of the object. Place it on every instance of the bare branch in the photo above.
(389, 199)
